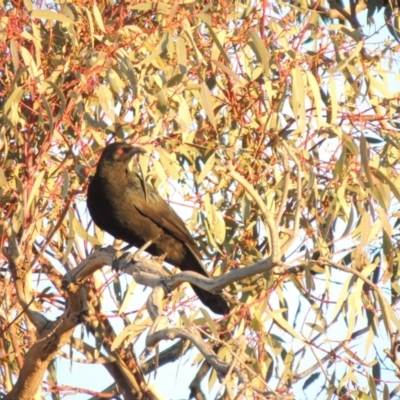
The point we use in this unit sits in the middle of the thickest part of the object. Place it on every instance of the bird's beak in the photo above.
(134, 150)
(137, 150)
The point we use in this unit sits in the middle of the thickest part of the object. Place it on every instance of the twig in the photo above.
(194, 337)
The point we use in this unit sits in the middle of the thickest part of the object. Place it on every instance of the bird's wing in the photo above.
(149, 203)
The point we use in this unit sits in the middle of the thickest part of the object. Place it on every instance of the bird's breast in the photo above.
(112, 208)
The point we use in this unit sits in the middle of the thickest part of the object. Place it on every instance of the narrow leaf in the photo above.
(342, 297)
(91, 27)
(182, 54)
(260, 50)
(14, 54)
(33, 193)
(47, 108)
(342, 64)
(383, 178)
(317, 96)
(80, 231)
(98, 18)
(365, 161)
(61, 104)
(14, 97)
(206, 102)
(218, 44)
(277, 317)
(51, 15)
(227, 70)
(128, 296)
(334, 101)
(207, 167)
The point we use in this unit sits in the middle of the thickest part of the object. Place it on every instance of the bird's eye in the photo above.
(120, 151)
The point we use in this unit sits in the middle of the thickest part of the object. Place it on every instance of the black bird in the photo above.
(126, 207)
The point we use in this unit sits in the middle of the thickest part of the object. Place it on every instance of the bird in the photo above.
(121, 203)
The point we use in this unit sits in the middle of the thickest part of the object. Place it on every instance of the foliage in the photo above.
(303, 109)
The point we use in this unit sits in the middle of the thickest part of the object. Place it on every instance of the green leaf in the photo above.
(91, 26)
(260, 50)
(98, 18)
(126, 68)
(175, 80)
(182, 54)
(210, 323)
(169, 162)
(206, 102)
(365, 160)
(333, 98)
(227, 70)
(217, 42)
(132, 331)
(317, 97)
(127, 297)
(383, 178)
(14, 97)
(80, 231)
(246, 207)
(277, 317)
(342, 296)
(365, 226)
(380, 86)
(3, 179)
(359, 395)
(376, 377)
(218, 222)
(160, 172)
(70, 238)
(29, 62)
(344, 63)
(114, 80)
(14, 54)
(298, 97)
(207, 168)
(47, 108)
(35, 190)
(106, 100)
(61, 104)
(311, 379)
(51, 15)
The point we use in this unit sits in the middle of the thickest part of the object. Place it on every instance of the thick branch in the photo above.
(147, 272)
(56, 334)
(192, 335)
(49, 341)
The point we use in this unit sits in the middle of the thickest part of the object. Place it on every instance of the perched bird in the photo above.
(128, 208)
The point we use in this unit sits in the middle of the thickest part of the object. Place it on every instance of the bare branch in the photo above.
(149, 273)
(189, 334)
(56, 334)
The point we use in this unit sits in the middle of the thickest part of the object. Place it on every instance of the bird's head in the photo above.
(120, 152)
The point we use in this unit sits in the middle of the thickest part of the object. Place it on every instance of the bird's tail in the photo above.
(215, 302)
